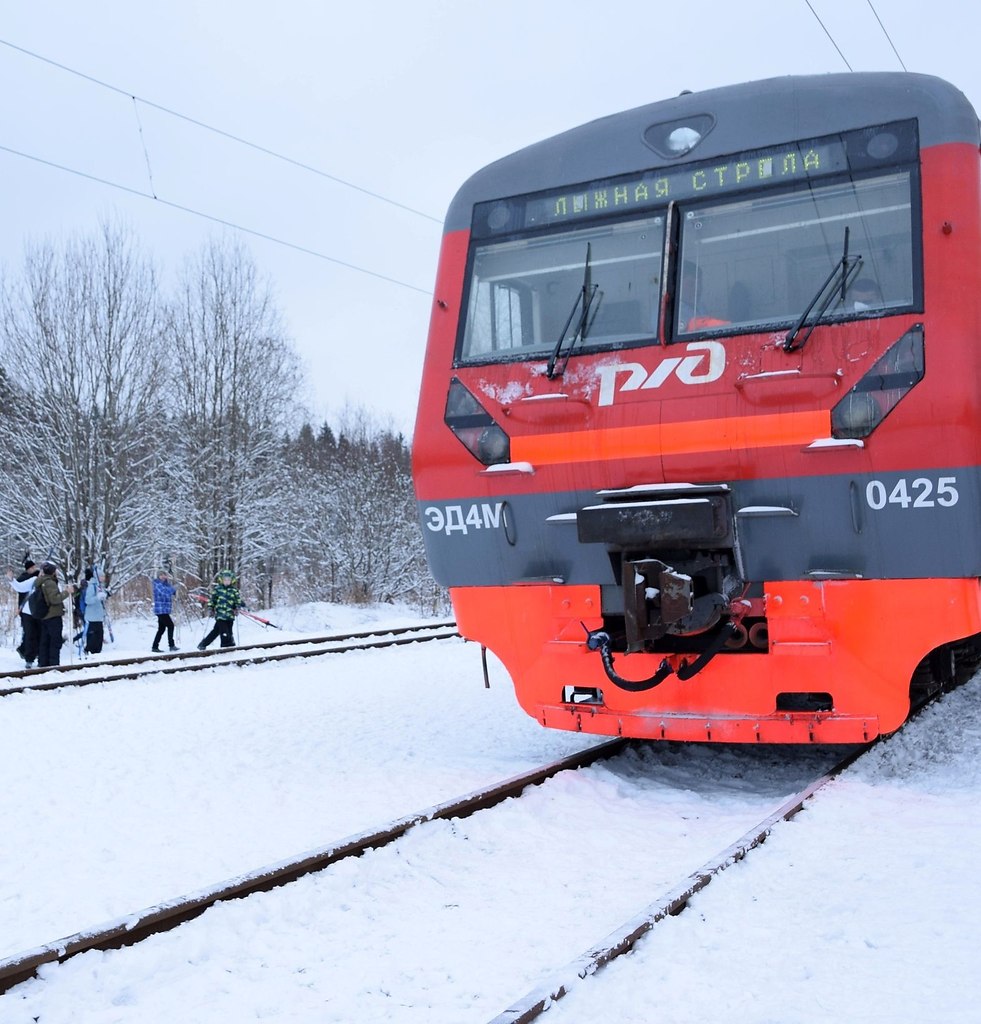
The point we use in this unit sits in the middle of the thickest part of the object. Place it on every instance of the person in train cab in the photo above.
(863, 294)
(54, 598)
(690, 310)
(30, 626)
(224, 603)
(163, 605)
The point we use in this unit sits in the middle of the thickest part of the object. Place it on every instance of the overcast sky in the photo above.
(401, 100)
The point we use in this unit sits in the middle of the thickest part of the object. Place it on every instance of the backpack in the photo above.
(37, 602)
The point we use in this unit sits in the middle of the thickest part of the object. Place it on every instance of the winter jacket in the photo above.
(225, 601)
(163, 597)
(95, 609)
(23, 587)
(54, 595)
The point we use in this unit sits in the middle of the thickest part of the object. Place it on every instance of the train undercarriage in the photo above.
(842, 663)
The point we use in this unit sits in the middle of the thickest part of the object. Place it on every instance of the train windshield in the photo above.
(524, 292)
(756, 263)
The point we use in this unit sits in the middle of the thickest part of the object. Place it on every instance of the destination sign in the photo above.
(656, 188)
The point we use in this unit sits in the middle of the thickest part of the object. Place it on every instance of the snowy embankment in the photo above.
(124, 795)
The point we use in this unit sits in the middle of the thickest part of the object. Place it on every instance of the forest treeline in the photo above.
(158, 427)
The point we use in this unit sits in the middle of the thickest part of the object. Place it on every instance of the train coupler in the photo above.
(600, 640)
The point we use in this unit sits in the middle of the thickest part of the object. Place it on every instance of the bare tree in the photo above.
(237, 377)
(81, 341)
(147, 433)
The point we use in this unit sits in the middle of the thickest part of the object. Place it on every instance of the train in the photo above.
(699, 429)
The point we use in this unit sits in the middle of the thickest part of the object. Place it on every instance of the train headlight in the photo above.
(856, 415)
(475, 427)
(493, 446)
(889, 380)
(675, 139)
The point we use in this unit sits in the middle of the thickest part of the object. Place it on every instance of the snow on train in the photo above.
(698, 443)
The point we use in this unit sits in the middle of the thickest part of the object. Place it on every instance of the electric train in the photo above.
(698, 440)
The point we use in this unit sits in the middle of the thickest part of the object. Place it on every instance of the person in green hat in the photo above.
(224, 603)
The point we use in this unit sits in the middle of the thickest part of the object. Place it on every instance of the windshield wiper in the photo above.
(837, 281)
(584, 299)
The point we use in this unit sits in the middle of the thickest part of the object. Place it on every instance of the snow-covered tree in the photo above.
(151, 430)
(236, 375)
(81, 341)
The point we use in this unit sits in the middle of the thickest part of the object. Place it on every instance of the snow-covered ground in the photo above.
(121, 796)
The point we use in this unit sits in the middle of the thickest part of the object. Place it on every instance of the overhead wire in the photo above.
(886, 34)
(152, 195)
(214, 219)
(829, 35)
(218, 131)
(838, 48)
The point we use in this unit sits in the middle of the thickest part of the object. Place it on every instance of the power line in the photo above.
(827, 33)
(146, 153)
(214, 219)
(218, 131)
(886, 34)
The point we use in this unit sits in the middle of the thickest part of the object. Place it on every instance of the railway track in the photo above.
(134, 928)
(87, 673)
(534, 1003)
(622, 940)
(140, 925)
(673, 899)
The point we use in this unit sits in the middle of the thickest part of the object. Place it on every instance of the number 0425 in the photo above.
(919, 493)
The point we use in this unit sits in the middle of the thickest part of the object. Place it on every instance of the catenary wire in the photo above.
(217, 131)
(886, 34)
(215, 220)
(829, 35)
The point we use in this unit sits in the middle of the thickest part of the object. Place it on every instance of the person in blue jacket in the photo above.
(163, 605)
(94, 613)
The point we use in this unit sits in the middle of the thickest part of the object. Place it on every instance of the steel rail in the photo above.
(622, 940)
(238, 656)
(133, 928)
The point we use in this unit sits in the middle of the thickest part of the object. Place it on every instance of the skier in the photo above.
(48, 603)
(224, 602)
(30, 626)
(163, 605)
(94, 612)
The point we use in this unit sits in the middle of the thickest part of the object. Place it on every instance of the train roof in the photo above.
(748, 116)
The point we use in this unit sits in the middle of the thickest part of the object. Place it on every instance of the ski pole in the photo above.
(80, 638)
(258, 618)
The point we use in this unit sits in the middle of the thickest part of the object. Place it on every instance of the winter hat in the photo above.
(28, 564)
(49, 568)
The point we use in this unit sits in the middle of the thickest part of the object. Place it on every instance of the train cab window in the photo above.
(755, 264)
(525, 295)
